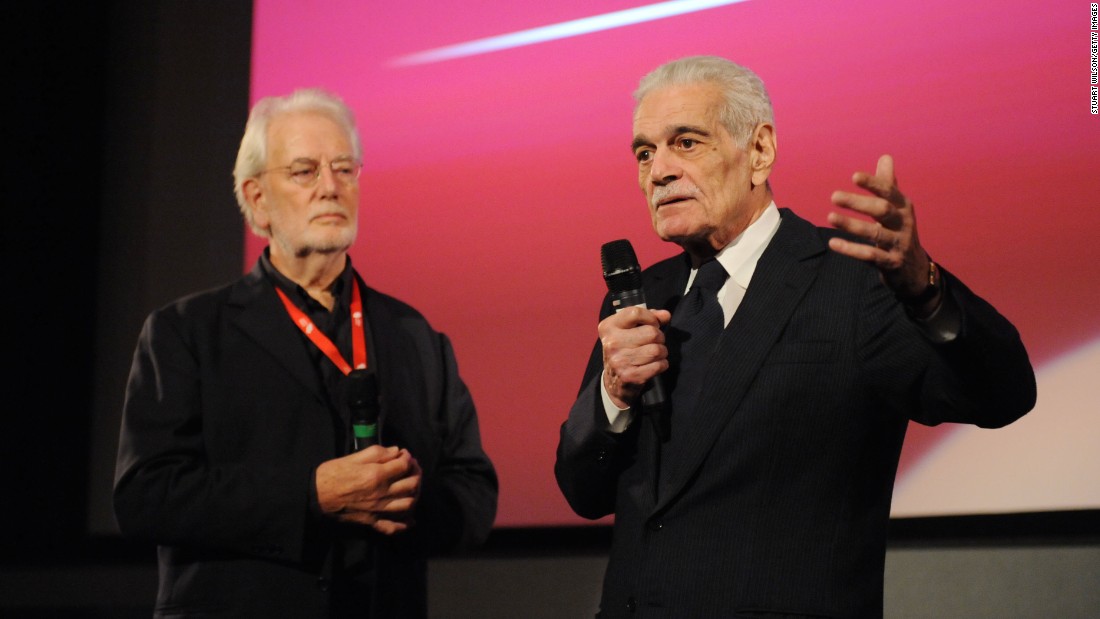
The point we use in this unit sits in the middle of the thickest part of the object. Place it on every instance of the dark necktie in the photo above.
(696, 325)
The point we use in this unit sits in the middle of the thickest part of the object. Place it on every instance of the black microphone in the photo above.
(624, 282)
(362, 398)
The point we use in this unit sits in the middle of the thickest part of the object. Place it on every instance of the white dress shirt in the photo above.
(739, 259)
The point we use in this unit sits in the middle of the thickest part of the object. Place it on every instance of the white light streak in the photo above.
(553, 32)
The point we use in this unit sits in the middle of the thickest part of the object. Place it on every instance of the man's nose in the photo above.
(327, 183)
(665, 168)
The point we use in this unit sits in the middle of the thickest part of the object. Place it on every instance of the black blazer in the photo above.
(780, 505)
(225, 420)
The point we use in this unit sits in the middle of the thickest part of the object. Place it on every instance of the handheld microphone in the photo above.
(624, 282)
(362, 399)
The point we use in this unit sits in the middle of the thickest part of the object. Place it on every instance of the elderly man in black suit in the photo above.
(238, 455)
(794, 357)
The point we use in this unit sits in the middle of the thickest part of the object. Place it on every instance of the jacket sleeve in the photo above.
(982, 377)
(589, 457)
(458, 499)
(168, 489)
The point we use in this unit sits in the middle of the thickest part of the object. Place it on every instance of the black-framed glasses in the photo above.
(305, 172)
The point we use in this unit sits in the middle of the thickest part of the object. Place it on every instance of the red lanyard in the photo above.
(319, 339)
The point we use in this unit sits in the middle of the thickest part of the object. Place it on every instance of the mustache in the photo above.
(325, 212)
(680, 189)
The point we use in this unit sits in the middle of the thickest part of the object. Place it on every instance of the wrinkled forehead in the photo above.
(668, 109)
(307, 134)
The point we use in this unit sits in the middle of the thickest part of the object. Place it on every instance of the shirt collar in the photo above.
(739, 258)
(341, 288)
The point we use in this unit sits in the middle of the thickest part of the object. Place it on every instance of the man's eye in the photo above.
(687, 143)
(303, 171)
(643, 155)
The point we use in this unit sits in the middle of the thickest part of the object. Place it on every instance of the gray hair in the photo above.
(252, 155)
(746, 100)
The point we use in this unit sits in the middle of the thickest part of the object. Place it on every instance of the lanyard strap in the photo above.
(321, 341)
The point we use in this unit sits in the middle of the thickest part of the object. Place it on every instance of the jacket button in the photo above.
(631, 604)
(601, 457)
(323, 583)
(656, 525)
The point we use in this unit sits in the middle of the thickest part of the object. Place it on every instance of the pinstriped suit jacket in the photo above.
(780, 505)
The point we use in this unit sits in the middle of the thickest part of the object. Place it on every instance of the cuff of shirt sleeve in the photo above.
(944, 324)
(618, 419)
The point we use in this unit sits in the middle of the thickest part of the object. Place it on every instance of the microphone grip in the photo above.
(624, 282)
(366, 434)
(654, 398)
(362, 397)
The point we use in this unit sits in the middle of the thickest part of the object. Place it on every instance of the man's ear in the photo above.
(762, 153)
(254, 195)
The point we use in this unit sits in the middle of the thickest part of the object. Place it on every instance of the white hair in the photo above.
(746, 101)
(252, 155)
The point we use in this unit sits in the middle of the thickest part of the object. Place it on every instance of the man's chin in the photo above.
(691, 240)
(325, 247)
(679, 234)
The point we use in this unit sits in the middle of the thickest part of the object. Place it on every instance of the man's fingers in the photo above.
(387, 504)
(872, 206)
(884, 184)
(406, 487)
(886, 259)
(859, 251)
(636, 374)
(634, 316)
(389, 527)
(384, 526)
(870, 230)
(399, 497)
(374, 454)
(634, 348)
(393, 470)
(633, 351)
(662, 316)
(638, 344)
(397, 505)
(885, 170)
(889, 214)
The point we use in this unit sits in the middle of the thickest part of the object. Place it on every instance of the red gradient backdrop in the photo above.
(491, 181)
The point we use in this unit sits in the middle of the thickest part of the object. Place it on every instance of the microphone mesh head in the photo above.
(617, 255)
(620, 266)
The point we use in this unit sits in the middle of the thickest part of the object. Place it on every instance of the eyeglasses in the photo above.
(305, 172)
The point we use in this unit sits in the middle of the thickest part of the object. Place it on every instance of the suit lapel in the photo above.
(664, 287)
(264, 320)
(783, 274)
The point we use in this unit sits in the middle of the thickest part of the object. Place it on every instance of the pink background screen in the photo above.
(491, 180)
